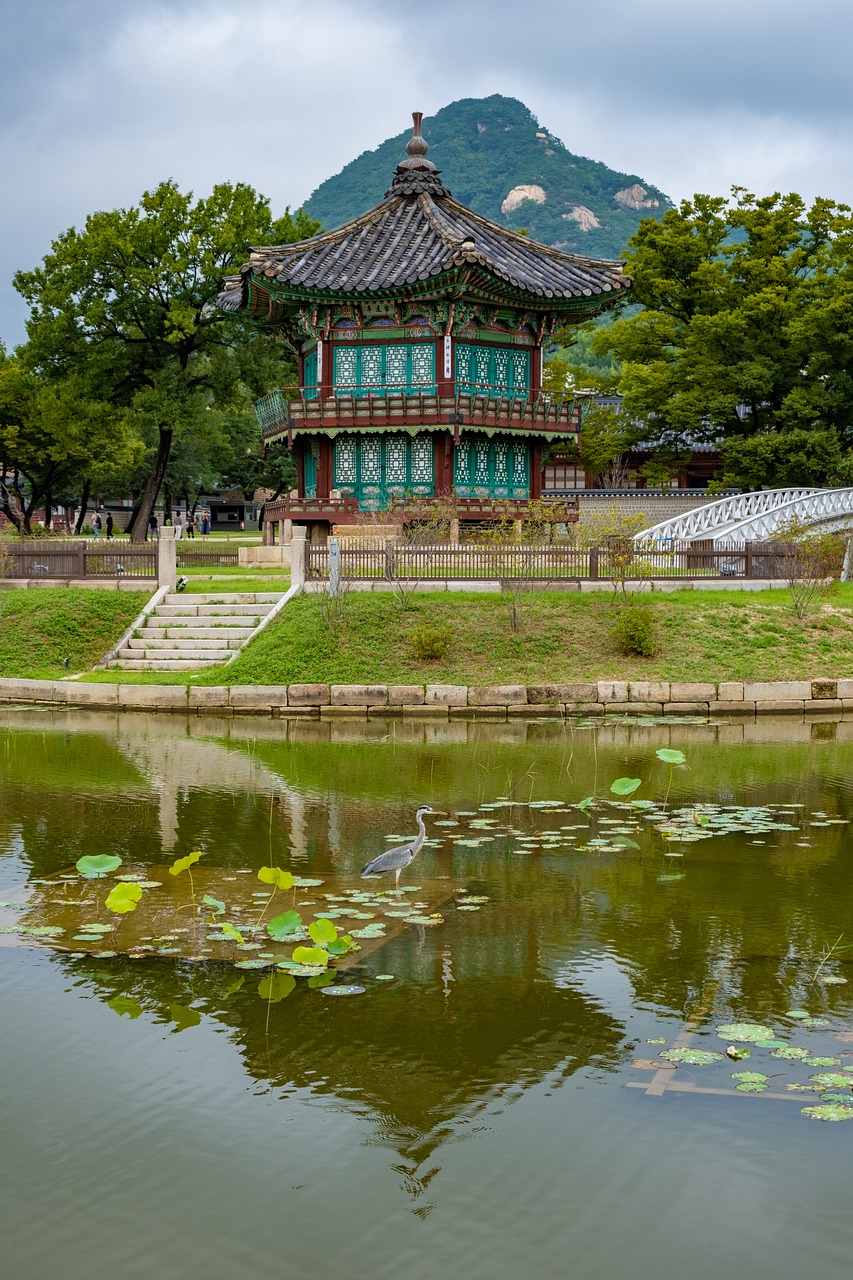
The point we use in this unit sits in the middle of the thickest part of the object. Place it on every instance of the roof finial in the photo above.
(417, 145)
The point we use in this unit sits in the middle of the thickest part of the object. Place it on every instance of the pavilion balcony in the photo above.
(294, 409)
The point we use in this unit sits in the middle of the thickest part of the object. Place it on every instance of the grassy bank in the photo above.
(719, 635)
(39, 630)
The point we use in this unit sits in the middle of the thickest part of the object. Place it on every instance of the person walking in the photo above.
(153, 526)
(205, 524)
(190, 523)
(96, 525)
(109, 526)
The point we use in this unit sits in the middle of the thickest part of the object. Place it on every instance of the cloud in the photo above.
(100, 100)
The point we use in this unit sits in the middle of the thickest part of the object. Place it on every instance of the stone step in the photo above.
(145, 641)
(205, 656)
(161, 664)
(212, 610)
(239, 628)
(225, 597)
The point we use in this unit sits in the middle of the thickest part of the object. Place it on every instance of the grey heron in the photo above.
(399, 857)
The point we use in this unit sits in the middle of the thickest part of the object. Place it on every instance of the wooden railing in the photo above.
(192, 557)
(291, 409)
(77, 560)
(557, 561)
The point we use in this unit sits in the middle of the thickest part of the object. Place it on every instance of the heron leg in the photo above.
(397, 881)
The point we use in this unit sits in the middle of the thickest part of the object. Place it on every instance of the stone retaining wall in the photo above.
(446, 701)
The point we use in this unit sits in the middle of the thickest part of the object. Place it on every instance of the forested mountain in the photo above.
(496, 158)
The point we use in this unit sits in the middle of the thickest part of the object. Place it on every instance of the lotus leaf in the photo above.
(586, 804)
(693, 1057)
(384, 977)
(750, 1077)
(831, 1111)
(98, 864)
(275, 876)
(751, 1086)
(349, 990)
(832, 1080)
(797, 1014)
(625, 786)
(669, 755)
(276, 987)
(791, 1053)
(322, 932)
(123, 897)
(287, 923)
(748, 1032)
(184, 864)
(823, 1062)
(816, 1022)
(251, 964)
(832, 980)
(312, 956)
(231, 932)
(219, 907)
(771, 1044)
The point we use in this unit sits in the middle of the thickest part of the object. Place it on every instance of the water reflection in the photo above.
(576, 957)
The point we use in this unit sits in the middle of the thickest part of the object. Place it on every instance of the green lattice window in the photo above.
(485, 468)
(309, 376)
(402, 368)
(492, 371)
(309, 469)
(375, 468)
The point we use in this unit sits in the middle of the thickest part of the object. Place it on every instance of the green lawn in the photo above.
(707, 635)
(40, 629)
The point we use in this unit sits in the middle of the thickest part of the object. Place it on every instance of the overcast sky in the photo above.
(101, 99)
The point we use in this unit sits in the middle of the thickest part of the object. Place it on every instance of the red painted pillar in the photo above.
(536, 469)
(324, 467)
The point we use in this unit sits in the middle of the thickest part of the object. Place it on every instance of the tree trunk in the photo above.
(10, 505)
(48, 510)
(84, 505)
(167, 504)
(138, 528)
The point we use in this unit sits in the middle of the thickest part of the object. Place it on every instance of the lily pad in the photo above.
(791, 1053)
(797, 1014)
(831, 1111)
(669, 755)
(832, 1080)
(349, 989)
(750, 1077)
(692, 1057)
(625, 786)
(98, 864)
(748, 1032)
(823, 1062)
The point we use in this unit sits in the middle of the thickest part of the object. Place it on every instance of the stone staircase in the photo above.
(195, 631)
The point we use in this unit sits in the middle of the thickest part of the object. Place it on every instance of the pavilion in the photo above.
(419, 329)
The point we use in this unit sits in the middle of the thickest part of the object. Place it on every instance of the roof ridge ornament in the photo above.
(416, 175)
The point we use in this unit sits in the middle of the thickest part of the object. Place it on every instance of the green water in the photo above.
(479, 1114)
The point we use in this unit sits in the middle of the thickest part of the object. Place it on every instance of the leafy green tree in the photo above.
(54, 438)
(745, 328)
(129, 305)
(780, 459)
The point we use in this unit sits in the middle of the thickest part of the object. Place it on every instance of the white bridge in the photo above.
(754, 517)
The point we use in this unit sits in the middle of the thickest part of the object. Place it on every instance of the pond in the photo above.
(514, 1078)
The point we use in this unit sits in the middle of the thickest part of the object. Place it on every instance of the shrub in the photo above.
(429, 642)
(634, 631)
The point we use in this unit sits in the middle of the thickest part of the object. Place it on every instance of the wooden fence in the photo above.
(553, 562)
(192, 557)
(77, 560)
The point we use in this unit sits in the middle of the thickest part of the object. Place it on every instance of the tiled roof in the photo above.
(418, 232)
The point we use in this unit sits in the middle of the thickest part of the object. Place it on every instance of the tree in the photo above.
(129, 305)
(745, 328)
(52, 438)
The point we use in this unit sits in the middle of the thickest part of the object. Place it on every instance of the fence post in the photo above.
(81, 559)
(297, 556)
(167, 558)
(748, 571)
(334, 567)
(593, 563)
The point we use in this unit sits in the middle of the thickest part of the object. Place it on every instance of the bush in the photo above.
(634, 631)
(429, 642)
